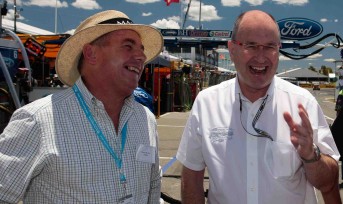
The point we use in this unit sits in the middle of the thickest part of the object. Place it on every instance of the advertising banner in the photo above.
(196, 33)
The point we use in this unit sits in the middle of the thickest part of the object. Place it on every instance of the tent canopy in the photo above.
(161, 60)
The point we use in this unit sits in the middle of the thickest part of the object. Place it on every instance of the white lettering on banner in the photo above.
(219, 34)
(291, 29)
(182, 33)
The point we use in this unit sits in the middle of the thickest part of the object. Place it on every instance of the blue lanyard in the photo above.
(95, 126)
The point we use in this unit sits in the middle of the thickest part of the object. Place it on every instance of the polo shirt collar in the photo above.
(93, 102)
(270, 91)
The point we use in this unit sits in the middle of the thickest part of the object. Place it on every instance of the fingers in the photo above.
(291, 124)
(289, 120)
(301, 134)
(305, 121)
(305, 129)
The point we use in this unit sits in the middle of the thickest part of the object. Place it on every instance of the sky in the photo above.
(215, 15)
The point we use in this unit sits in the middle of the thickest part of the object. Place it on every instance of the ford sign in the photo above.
(299, 28)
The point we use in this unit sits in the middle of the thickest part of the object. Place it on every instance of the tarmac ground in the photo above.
(170, 128)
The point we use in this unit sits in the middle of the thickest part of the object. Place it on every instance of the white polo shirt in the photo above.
(247, 169)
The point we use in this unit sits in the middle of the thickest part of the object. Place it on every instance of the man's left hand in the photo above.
(301, 135)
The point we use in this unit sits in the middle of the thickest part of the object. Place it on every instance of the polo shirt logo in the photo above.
(220, 134)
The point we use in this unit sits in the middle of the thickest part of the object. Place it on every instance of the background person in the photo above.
(340, 78)
(339, 102)
(262, 139)
(337, 133)
(91, 143)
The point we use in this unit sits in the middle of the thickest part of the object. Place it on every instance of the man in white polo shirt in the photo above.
(263, 140)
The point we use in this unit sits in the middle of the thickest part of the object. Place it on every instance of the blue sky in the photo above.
(215, 14)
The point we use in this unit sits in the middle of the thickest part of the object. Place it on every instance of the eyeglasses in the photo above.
(261, 133)
(253, 48)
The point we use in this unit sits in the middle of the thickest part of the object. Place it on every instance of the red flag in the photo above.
(171, 1)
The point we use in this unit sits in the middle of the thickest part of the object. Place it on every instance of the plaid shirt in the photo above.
(49, 153)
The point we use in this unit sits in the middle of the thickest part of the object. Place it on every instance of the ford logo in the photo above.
(299, 28)
(9, 62)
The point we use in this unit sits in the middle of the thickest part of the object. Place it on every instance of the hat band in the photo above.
(117, 21)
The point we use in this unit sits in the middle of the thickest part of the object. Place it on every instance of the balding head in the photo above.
(254, 19)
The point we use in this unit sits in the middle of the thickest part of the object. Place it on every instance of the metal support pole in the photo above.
(15, 16)
(200, 15)
(9, 82)
(56, 18)
(1, 30)
(23, 52)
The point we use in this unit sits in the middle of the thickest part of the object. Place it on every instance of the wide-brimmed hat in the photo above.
(92, 28)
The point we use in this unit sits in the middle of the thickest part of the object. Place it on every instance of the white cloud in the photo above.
(19, 3)
(86, 4)
(44, 3)
(184, 2)
(10, 15)
(164, 23)
(174, 18)
(323, 20)
(146, 14)
(292, 2)
(142, 1)
(330, 60)
(315, 56)
(255, 2)
(208, 12)
(71, 32)
(312, 57)
(236, 3)
(231, 3)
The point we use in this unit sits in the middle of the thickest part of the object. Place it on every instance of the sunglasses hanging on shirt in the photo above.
(261, 133)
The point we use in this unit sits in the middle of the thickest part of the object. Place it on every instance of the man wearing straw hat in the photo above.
(91, 143)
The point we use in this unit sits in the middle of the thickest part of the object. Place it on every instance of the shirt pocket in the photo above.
(281, 160)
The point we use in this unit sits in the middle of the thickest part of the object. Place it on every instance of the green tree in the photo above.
(312, 68)
(325, 70)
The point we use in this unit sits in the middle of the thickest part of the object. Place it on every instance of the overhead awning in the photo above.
(160, 60)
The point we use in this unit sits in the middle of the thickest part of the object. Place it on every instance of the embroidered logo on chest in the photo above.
(221, 134)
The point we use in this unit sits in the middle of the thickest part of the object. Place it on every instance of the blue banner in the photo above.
(10, 56)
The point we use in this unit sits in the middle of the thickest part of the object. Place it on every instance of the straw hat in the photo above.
(92, 28)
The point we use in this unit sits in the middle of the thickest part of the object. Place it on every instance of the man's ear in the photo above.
(230, 46)
(89, 54)
(232, 50)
